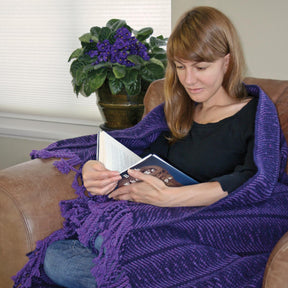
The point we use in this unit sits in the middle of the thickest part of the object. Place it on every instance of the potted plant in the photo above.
(116, 60)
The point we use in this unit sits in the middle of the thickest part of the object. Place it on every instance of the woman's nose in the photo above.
(190, 77)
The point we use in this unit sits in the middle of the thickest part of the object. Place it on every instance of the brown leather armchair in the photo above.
(29, 209)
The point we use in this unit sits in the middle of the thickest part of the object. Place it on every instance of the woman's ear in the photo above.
(226, 61)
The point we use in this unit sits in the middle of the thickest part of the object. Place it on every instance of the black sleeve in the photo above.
(241, 173)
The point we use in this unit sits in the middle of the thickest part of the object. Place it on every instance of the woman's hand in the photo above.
(150, 190)
(97, 179)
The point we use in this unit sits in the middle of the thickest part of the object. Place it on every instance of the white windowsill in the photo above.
(44, 128)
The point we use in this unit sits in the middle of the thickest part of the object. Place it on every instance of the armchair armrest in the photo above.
(29, 196)
(276, 275)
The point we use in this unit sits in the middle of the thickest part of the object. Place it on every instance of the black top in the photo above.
(221, 151)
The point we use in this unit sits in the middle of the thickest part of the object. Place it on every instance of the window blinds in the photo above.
(37, 38)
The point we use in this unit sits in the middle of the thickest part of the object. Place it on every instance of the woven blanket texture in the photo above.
(226, 244)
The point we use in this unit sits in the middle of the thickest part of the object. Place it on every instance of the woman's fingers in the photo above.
(148, 190)
(97, 179)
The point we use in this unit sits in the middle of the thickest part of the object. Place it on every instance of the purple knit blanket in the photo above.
(226, 244)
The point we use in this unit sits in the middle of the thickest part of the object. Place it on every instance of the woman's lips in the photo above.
(194, 90)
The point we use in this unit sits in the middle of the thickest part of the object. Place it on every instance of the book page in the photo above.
(113, 154)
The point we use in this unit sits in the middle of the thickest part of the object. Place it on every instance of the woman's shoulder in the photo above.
(249, 108)
(244, 113)
(240, 108)
(245, 108)
(245, 117)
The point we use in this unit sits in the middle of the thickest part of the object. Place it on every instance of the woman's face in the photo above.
(203, 80)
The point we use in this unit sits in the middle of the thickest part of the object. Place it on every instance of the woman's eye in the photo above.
(201, 68)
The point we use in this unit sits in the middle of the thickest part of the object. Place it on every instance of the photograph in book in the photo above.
(115, 156)
(156, 166)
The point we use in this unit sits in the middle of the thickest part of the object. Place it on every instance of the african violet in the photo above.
(116, 54)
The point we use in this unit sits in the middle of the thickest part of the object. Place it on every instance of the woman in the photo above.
(202, 233)
(205, 68)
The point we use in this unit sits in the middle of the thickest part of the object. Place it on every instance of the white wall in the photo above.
(17, 150)
(20, 134)
(262, 26)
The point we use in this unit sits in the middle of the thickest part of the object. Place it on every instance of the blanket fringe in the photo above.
(112, 220)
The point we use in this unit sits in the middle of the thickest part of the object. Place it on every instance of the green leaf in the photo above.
(104, 34)
(153, 70)
(160, 54)
(136, 59)
(162, 58)
(115, 24)
(143, 34)
(158, 50)
(75, 54)
(76, 88)
(132, 82)
(88, 68)
(85, 38)
(102, 65)
(158, 41)
(115, 85)
(94, 80)
(76, 66)
(80, 77)
(119, 71)
(95, 31)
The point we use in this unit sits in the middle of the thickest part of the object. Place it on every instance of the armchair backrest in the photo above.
(154, 95)
(277, 90)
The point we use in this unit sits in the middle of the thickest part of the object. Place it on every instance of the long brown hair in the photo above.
(203, 34)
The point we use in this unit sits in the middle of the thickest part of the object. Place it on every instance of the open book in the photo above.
(115, 156)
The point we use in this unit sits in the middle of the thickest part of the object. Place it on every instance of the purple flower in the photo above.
(123, 33)
(123, 54)
(104, 46)
(93, 53)
(120, 44)
(125, 44)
